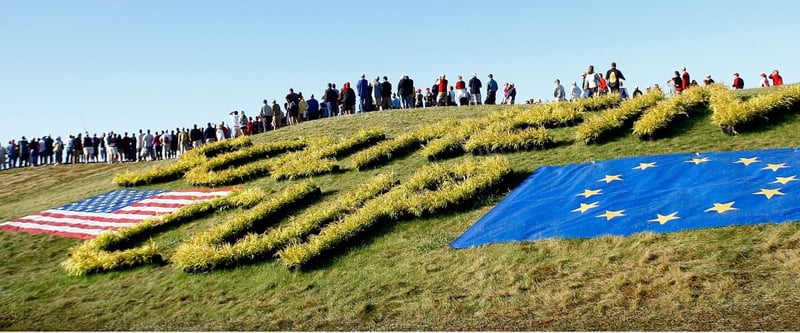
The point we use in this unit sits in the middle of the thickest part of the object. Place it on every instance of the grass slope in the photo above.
(404, 276)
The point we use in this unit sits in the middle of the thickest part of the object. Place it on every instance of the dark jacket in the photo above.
(475, 85)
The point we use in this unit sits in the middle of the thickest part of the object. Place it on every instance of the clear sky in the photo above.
(124, 65)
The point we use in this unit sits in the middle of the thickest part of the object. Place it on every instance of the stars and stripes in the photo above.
(663, 193)
(110, 211)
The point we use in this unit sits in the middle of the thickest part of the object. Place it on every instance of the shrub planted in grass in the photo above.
(252, 153)
(730, 113)
(255, 246)
(497, 140)
(220, 147)
(385, 151)
(198, 253)
(451, 144)
(599, 103)
(658, 118)
(599, 127)
(431, 189)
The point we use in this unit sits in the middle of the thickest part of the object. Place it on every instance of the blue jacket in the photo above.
(492, 85)
(313, 105)
(362, 87)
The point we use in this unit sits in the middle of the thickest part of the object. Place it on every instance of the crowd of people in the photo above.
(594, 84)
(374, 95)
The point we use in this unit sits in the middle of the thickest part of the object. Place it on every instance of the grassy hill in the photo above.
(403, 275)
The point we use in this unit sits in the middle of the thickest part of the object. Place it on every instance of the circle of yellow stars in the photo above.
(662, 219)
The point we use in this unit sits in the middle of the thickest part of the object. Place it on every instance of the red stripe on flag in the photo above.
(120, 219)
(79, 225)
(40, 231)
(156, 204)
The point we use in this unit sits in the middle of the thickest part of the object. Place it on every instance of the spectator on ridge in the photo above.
(613, 78)
(738, 82)
(777, 80)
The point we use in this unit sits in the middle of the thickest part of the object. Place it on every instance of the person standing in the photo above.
(405, 89)
(738, 82)
(777, 80)
(401, 86)
(347, 98)
(58, 149)
(266, 117)
(461, 92)
(491, 91)
(362, 87)
(512, 94)
(613, 78)
(209, 134)
(558, 92)
(292, 106)
(13, 154)
(441, 97)
(376, 92)
(331, 99)
(419, 99)
(708, 80)
(3, 153)
(677, 83)
(764, 81)
(685, 79)
(303, 106)
(276, 114)
(575, 93)
(429, 98)
(313, 108)
(88, 148)
(591, 83)
(475, 90)
(386, 94)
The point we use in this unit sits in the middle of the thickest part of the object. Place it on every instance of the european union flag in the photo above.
(659, 194)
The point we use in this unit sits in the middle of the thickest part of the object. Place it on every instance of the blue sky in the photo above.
(74, 66)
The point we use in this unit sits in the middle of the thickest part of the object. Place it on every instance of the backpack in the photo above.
(612, 78)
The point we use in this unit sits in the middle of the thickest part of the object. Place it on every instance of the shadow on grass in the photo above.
(770, 121)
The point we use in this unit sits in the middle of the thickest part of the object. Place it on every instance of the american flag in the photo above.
(110, 211)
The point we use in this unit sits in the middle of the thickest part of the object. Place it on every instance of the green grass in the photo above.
(404, 276)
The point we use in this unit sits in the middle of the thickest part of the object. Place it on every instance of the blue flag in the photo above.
(659, 194)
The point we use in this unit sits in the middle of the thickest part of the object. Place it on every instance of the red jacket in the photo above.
(685, 80)
(460, 84)
(443, 85)
(777, 80)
